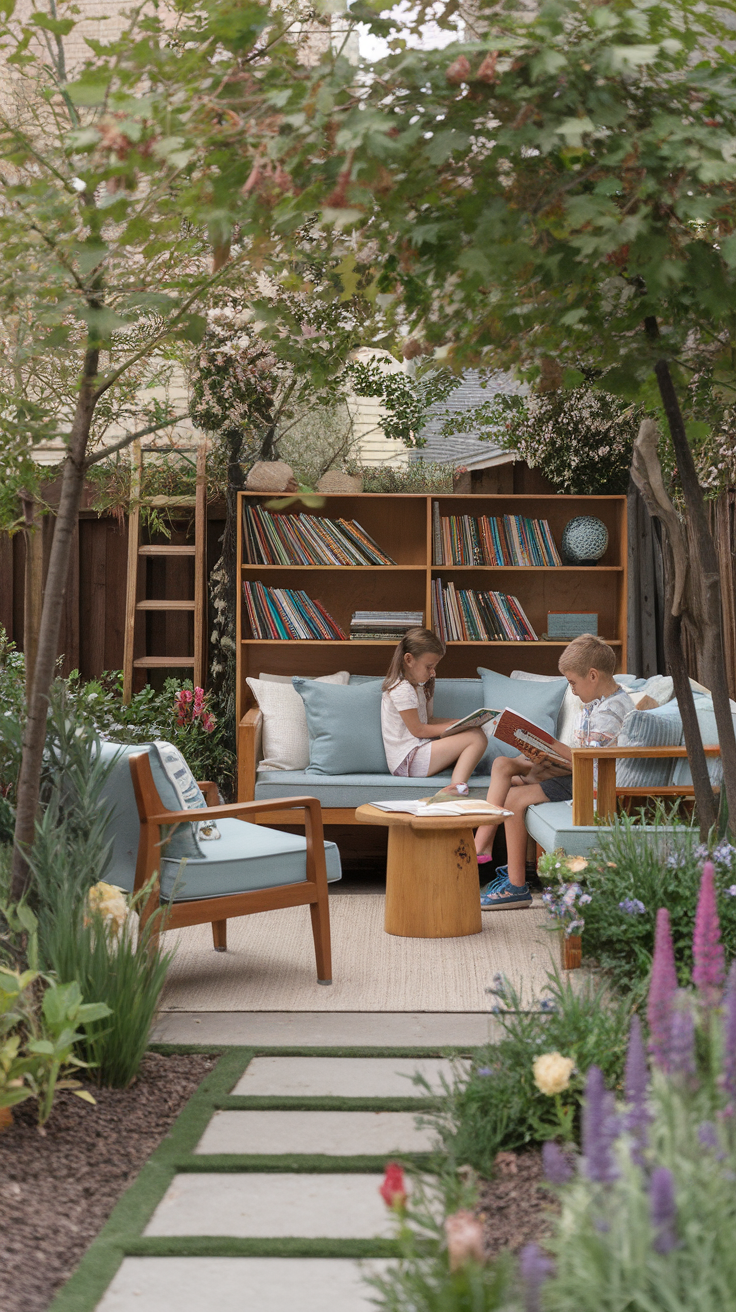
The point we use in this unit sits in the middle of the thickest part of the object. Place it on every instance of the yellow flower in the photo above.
(552, 1072)
(576, 863)
(110, 902)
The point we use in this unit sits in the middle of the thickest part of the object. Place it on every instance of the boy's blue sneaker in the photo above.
(502, 895)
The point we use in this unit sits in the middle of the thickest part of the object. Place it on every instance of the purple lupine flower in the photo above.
(729, 1036)
(535, 1268)
(681, 1054)
(600, 1129)
(631, 906)
(709, 966)
(557, 1167)
(636, 1082)
(662, 1209)
(662, 988)
(708, 1137)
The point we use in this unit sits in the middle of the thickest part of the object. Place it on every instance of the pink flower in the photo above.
(393, 1189)
(208, 722)
(464, 1239)
(662, 989)
(198, 700)
(184, 695)
(709, 968)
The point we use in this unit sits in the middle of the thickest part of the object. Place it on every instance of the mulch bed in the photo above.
(57, 1189)
(516, 1206)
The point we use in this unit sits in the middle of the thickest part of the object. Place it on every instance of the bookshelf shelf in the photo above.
(401, 525)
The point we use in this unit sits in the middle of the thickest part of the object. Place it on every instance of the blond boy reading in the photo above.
(518, 782)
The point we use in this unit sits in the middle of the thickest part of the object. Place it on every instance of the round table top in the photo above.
(371, 815)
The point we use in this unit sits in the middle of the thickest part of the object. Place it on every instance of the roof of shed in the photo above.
(465, 448)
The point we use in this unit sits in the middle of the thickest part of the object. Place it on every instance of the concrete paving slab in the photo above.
(240, 1284)
(332, 1029)
(344, 1077)
(338, 1134)
(268, 1206)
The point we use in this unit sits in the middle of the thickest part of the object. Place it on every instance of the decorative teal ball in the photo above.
(584, 540)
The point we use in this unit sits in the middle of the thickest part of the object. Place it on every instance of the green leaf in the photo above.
(85, 1095)
(193, 328)
(88, 92)
(59, 26)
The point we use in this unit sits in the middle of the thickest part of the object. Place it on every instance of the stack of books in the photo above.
(463, 615)
(285, 613)
(487, 540)
(306, 540)
(384, 625)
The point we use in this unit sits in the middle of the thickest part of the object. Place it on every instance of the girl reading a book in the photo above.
(411, 735)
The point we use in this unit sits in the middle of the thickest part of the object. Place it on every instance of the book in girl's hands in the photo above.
(526, 736)
(472, 721)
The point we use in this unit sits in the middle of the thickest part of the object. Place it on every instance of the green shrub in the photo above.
(631, 876)
(419, 476)
(500, 1106)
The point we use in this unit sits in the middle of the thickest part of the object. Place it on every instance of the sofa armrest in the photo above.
(583, 761)
(210, 791)
(250, 732)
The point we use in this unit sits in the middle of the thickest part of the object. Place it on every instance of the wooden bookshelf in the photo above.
(401, 524)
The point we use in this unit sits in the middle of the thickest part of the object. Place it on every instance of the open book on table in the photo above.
(453, 806)
(512, 728)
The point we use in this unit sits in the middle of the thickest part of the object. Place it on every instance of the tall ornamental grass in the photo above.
(111, 960)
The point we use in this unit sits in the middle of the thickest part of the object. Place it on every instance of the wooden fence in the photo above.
(91, 639)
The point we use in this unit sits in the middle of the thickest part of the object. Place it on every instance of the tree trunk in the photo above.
(706, 588)
(34, 735)
(705, 802)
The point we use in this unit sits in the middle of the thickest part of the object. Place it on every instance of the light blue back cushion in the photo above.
(344, 725)
(118, 792)
(539, 701)
(709, 734)
(660, 727)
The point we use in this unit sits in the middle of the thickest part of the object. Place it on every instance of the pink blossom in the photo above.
(208, 722)
(709, 968)
(662, 989)
(393, 1188)
(464, 1239)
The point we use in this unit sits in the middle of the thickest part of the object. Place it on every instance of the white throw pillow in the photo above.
(285, 737)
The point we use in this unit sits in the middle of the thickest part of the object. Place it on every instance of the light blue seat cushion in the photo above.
(709, 733)
(244, 858)
(660, 727)
(344, 726)
(223, 869)
(550, 824)
(539, 700)
(354, 789)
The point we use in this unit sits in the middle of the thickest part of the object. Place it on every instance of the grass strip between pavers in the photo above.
(225, 1246)
(298, 1163)
(340, 1050)
(324, 1103)
(122, 1234)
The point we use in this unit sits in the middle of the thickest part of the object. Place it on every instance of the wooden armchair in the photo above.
(217, 909)
(583, 759)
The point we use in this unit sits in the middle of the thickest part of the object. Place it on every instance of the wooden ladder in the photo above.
(134, 604)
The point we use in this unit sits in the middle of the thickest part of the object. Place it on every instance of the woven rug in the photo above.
(269, 964)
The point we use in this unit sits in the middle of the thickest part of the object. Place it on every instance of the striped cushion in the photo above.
(709, 734)
(661, 727)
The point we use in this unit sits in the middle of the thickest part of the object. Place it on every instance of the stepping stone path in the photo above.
(220, 1197)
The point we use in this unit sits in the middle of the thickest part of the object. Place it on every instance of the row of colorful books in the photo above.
(492, 540)
(287, 613)
(384, 625)
(465, 615)
(306, 540)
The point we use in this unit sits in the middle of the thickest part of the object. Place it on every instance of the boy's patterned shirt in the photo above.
(600, 721)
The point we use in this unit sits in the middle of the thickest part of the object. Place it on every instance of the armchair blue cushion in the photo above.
(246, 857)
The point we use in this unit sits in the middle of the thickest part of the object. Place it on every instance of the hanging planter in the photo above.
(571, 951)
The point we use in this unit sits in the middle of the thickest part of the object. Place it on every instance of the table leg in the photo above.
(432, 886)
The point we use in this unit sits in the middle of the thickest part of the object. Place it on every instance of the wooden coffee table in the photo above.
(432, 886)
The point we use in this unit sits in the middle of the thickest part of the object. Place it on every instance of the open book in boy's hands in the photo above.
(472, 721)
(526, 736)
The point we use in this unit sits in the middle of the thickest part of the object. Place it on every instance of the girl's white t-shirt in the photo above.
(397, 740)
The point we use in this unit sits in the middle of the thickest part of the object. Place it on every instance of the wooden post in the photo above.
(134, 529)
(32, 590)
(606, 788)
(200, 569)
(582, 790)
